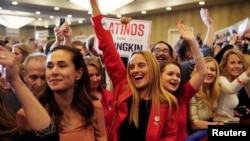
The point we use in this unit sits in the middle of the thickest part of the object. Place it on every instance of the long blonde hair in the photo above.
(158, 93)
(209, 98)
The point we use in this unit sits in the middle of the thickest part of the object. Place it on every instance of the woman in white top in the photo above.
(234, 75)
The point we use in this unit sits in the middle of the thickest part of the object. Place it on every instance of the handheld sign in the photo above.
(130, 37)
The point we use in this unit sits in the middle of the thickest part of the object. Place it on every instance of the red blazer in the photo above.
(106, 101)
(161, 128)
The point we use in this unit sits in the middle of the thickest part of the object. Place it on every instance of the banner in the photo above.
(41, 35)
(240, 28)
(134, 36)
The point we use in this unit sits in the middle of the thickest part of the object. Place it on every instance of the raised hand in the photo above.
(186, 32)
(9, 62)
(207, 20)
(58, 34)
(66, 30)
(125, 20)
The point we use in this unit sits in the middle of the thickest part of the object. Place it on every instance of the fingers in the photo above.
(3, 49)
(183, 28)
(125, 20)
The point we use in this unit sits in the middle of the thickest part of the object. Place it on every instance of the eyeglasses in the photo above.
(158, 51)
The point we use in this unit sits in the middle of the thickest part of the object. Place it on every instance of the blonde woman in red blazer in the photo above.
(142, 109)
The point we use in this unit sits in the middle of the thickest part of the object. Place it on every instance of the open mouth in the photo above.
(138, 77)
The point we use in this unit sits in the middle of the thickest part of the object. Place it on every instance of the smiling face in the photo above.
(234, 65)
(171, 77)
(211, 73)
(19, 55)
(139, 71)
(60, 72)
(162, 52)
(95, 77)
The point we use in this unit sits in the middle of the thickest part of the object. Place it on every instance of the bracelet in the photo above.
(239, 81)
(198, 58)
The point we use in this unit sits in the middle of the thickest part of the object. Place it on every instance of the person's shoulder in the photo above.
(97, 104)
(221, 78)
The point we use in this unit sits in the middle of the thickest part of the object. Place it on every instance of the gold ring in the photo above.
(2, 56)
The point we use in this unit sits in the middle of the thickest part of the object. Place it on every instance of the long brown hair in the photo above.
(82, 100)
(8, 125)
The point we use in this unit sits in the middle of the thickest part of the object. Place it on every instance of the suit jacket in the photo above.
(159, 128)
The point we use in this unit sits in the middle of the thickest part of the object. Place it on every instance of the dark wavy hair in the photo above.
(165, 43)
(82, 100)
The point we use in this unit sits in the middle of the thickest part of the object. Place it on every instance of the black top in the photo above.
(128, 131)
(47, 134)
(244, 100)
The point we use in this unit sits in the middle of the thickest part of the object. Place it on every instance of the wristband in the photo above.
(239, 81)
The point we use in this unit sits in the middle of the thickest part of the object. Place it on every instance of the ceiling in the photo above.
(28, 8)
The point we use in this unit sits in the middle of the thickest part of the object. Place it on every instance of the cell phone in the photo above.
(62, 20)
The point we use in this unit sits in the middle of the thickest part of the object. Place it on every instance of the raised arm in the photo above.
(207, 20)
(197, 79)
(233, 87)
(111, 58)
(95, 9)
(37, 116)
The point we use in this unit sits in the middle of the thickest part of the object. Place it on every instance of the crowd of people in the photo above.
(68, 90)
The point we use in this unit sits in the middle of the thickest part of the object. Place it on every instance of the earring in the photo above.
(76, 86)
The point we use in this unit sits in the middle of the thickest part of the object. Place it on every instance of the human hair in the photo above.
(78, 43)
(90, 42)
(165, 43)
(94, 62)
(38, 56)
(182, 48)
(26, 50)
(223, 62)
(82, 100)
(47, 45)
(162, 69)
(8, 125)
(210, 97)
(155, 89)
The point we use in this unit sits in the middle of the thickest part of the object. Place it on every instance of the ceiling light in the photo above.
(14, 21)
(51, 17)
(201, 3)
(169, 8)
(14, 3)
(56, 8)
(144, 12)
(0, 8)
(69, 16)
(39, 19)
(38, 12)
(46, 26)
(118, 16)
(79, 21)
(106, 6)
